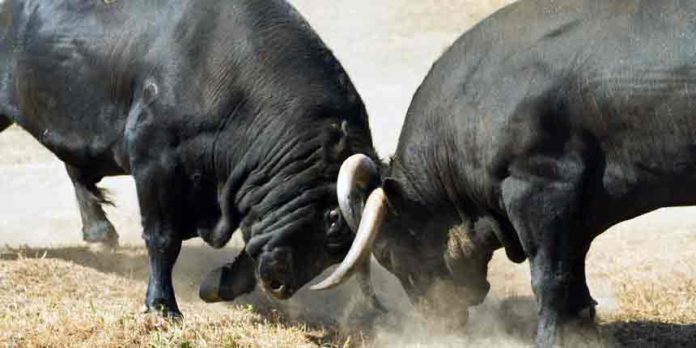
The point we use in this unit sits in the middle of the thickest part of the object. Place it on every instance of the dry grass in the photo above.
(75, 297)
(654, 313)
(53, 302)
(643, 274)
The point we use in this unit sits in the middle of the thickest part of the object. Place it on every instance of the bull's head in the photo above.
(427, 252)
(290, 218)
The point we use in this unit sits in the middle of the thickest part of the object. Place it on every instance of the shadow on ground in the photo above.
(344, 309)
(652, 334)
(131, 262)
(309, 309)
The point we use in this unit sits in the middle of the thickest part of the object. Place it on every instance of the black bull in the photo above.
(541, 127)
(227, 114)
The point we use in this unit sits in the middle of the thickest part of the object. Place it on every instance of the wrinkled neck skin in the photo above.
(275, 183)
(432, 244)
(284, 169)
(276, 155)
(279, 187)
(285, 116)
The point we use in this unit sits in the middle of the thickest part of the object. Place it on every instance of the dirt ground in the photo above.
(642, 272)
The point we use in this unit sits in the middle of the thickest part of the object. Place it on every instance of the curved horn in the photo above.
(356, 179)
(373, 216)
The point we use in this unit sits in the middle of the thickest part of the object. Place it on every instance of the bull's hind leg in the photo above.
(544, 211)
(96, 227)
(580, 304)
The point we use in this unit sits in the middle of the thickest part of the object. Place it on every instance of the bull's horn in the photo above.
(359, 252)
(357, 178)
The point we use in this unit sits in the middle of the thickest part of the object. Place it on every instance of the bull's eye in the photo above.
(333, 218)
(336, 235)
(334, 215)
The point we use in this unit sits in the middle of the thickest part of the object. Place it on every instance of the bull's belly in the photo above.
(75, 140)
(83, 145)
(73, 117)
(628, 191)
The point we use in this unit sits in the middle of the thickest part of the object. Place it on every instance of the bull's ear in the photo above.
(393, 190)
(392, 187)
(336, 142)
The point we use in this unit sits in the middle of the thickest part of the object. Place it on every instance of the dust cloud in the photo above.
(509, 322)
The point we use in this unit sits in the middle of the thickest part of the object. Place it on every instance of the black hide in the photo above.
(537, 130)
(227, 113)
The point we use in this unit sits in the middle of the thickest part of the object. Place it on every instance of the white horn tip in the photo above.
(360, 249)
(327, 284)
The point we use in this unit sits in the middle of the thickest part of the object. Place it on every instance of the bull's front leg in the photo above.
(160, 193)
(162, 187)
(544, 212)
(163, 251)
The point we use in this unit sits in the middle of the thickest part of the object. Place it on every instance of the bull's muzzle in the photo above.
(276, 273)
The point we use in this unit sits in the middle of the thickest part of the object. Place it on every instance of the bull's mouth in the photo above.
(277, 289)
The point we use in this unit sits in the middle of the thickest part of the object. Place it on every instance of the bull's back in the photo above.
(78, 68)
(71, 69)
(612, 78)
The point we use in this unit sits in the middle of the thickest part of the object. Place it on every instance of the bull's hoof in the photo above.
(102, 235)
(210, 288)
(229, 281)
(164, 311)
(104, 247)
(224, 284)
(584, 313)
(588, 314)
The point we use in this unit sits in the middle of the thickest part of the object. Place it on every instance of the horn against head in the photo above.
(356, 179)
(359, 252)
